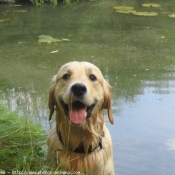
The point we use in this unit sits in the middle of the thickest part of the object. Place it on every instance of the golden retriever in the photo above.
(80, 141)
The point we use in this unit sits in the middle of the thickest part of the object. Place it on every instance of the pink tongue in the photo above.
(77, 116)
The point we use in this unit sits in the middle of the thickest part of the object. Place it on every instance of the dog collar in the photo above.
(80, 148)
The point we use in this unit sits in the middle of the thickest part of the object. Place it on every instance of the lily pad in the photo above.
(125, 11)
(123, 8)
(145, 13)
(48, 39)
(172, 15)
(151, 5)
(5, 20)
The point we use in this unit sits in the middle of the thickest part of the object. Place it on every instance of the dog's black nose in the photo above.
(78, 89)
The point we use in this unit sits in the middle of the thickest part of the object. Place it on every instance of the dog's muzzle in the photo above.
(76, 110)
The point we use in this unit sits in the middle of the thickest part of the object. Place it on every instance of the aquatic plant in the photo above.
(151, 5)
(48, 39)
(124, 9)
(172, 15)
(145, 13)
(128, 9)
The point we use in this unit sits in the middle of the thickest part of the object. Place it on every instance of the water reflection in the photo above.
(26, 104)
(171, 144)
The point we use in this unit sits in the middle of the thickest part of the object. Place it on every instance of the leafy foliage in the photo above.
(54, 2)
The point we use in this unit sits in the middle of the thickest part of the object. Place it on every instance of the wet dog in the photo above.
(80, 141)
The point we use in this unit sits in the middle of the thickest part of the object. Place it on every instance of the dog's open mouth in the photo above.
(77, 111)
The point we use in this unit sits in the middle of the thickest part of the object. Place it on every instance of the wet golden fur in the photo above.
(100, 161)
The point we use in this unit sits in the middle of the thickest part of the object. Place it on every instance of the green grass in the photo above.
(21, 143)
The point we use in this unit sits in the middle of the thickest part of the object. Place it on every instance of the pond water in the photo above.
(135, 53)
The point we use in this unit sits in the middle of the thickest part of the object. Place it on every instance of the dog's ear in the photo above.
(52, 101)
(107, 101)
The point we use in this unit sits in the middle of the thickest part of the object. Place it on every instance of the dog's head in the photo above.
(79, 92)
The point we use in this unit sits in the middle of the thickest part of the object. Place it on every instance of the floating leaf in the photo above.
(5, 20)
(48, 39)
(123, 8)
(145, 13)
(125, 11)
(151, 5)
(172, 15)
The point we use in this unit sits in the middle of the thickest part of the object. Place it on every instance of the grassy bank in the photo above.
(21, 143)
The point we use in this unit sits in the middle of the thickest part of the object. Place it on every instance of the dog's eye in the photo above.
(66, 76)
(92, 77)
